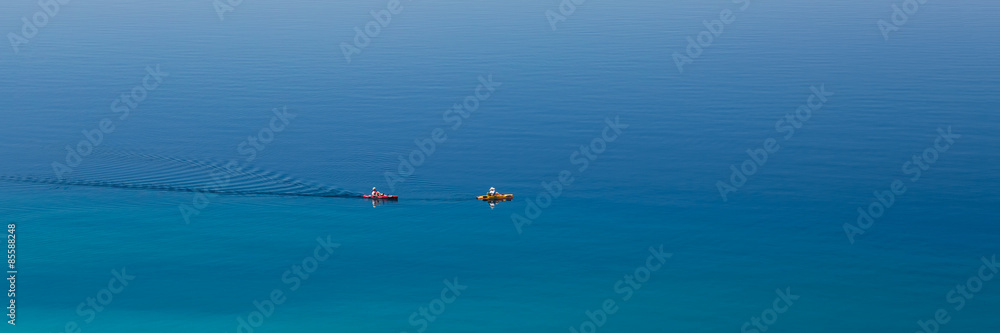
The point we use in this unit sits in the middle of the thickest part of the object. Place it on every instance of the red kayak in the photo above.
(367, 196)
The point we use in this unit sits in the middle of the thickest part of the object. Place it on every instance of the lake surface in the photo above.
(627, 215)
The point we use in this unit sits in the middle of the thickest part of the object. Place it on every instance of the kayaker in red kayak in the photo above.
(376, 193)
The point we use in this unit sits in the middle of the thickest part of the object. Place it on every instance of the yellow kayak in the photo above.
(496, 197)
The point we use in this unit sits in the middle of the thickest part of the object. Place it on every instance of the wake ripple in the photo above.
(140, 171)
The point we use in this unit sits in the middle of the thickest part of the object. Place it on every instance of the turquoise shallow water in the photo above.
(655, 184)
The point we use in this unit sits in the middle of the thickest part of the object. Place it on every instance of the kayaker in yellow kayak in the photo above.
(494, 195)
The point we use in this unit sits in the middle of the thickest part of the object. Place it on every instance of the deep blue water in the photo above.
(655, 184)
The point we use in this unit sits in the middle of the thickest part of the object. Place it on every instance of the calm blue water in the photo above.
(655, 184)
